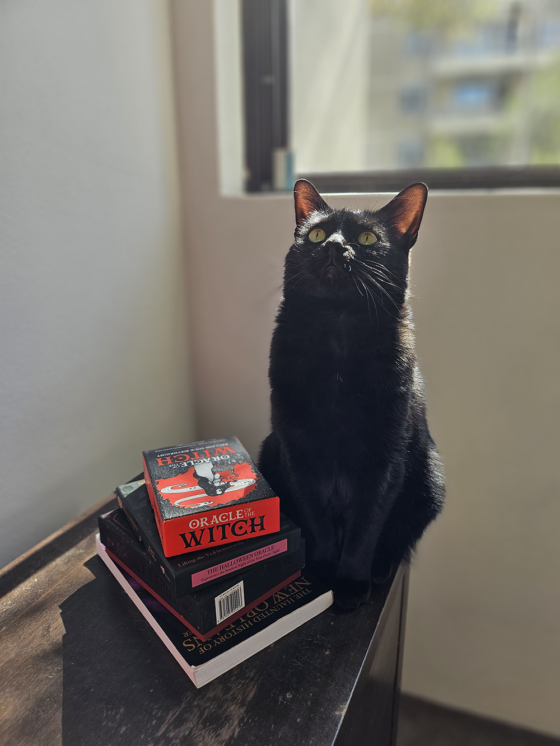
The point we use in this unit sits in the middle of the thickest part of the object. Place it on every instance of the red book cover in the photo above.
(208, 493)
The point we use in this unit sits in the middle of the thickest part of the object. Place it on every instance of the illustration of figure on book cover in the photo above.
(204, 480)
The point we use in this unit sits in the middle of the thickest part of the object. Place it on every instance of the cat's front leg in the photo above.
(321, 546)
(361, 531)
(352, 585)
(300, 501)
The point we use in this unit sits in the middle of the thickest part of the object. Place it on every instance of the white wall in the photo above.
(484, 613)
(92, 300)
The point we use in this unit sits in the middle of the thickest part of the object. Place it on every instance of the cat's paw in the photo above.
(349, 594)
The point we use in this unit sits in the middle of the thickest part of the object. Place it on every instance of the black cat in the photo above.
(350, 453)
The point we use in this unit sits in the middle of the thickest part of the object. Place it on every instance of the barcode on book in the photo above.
(230, 601)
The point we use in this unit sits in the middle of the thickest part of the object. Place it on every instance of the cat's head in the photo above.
(353, 254)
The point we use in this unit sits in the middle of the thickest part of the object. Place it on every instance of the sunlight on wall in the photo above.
(92, 299)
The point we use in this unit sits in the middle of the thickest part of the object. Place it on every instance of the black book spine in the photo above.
(152, 550)
(257, 582)
(125, 548)
(201, 609)
(183, 579)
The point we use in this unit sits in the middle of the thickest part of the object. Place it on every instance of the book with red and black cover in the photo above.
(196, 570)
(207, 611)
(206, 494)
(202, 661)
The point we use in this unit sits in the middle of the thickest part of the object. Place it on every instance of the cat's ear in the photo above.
(307, 200)
(405, 211)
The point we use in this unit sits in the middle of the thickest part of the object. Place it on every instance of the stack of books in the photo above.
(200, 546)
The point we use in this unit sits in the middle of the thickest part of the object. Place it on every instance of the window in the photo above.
(373, 94)
(413, 99)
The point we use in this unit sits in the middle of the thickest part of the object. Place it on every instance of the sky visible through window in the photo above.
(393, 84)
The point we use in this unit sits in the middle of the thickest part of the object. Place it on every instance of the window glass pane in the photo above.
(391, 84)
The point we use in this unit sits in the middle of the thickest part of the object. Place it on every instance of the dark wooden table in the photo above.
(80, 666)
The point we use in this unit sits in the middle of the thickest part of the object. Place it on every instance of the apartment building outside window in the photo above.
(371, 93)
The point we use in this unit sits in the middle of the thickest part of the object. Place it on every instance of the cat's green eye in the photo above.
(317, 235)
(367, 238)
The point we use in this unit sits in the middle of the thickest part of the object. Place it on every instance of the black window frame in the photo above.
(264, 26)
(266, 107)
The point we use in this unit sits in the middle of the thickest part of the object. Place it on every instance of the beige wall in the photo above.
(484, 617)
(484, 614)
(92, 300)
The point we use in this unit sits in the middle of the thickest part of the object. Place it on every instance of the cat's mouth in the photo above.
(332, 270)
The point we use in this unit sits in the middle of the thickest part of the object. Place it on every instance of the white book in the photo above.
(275, 617)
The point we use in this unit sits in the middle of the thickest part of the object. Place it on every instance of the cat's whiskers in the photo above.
(370, 275)
(379, 270)
(385, 293)
(369, 279)
(379, 285)
(376, 265)
(388, 282)
(369, 295)
(383, 267)
(357, 288)
(299, 276)
(385, 279)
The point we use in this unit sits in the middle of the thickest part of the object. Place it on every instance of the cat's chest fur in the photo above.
(340, 353)
(345, 364)
(340, 381)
